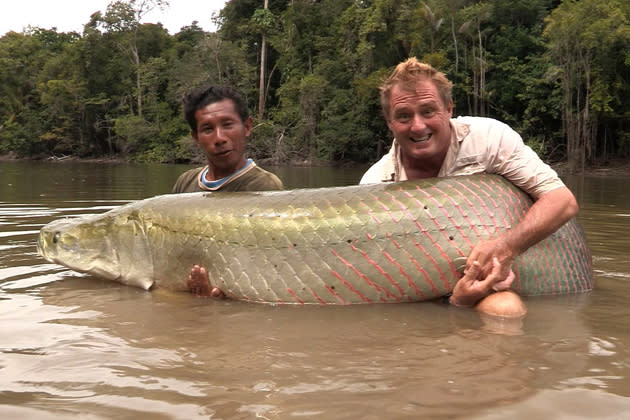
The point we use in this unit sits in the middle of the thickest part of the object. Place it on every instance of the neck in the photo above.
(420, 169)
(214, 173)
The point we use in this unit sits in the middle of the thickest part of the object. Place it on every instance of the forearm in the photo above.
(544, 217)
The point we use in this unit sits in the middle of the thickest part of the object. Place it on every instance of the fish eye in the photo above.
(56, 237)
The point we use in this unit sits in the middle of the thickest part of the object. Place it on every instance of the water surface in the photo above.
(73, 345)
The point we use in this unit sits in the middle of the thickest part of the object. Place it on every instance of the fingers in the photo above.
(198, 281)
(217, 293)
(495, 273)
(486, 250)
(473, 258)
(511, 276)
(199, 284)
(496, 267)
(498, 279)
(504, 284)
(482, 253)
(473, 286)
(466, 291)
(472, 272)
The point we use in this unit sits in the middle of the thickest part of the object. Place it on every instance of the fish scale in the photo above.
(385, 243)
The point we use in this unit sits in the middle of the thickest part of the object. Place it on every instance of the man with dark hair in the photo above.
(220, 124)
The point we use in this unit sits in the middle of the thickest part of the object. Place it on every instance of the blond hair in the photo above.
(408, 74)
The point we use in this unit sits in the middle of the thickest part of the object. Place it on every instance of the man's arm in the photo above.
(552, 210)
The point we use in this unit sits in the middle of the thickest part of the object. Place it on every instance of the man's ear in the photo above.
(388, 121)
(193, 134)
(249, 122)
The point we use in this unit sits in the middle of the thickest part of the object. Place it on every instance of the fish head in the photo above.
(111, 246)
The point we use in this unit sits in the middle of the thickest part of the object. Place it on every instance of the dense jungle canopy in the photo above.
(556, 71)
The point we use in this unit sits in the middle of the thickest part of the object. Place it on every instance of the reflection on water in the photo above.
(75, 345)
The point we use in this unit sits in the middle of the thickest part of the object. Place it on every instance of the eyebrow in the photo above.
(431, 103)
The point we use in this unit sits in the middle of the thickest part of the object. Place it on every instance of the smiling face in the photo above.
(221, 134)
(419, 120)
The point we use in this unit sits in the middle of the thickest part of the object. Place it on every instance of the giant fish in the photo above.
(382, 243)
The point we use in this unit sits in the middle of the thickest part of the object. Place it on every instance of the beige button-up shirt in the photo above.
(479, 145)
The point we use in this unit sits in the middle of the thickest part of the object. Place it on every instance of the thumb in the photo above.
(495, 273)
(473, 271)
(216, 292)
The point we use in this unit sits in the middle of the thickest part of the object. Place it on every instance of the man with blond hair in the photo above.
(429, 142)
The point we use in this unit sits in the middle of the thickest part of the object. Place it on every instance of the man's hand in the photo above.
(549, 211)
(199, 284)
(471, 288)
(485, 252)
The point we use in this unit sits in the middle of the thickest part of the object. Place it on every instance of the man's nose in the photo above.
(417, 123)
(220, 135)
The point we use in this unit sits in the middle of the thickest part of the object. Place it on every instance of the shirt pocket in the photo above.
(468, 165)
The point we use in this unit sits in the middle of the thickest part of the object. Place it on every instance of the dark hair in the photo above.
(204, 96)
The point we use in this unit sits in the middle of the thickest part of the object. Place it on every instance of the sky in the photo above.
(71, 15)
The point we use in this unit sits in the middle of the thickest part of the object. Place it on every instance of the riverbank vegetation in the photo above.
(556, 71)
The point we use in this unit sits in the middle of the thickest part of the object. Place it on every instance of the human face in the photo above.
(221, 134)
(419, 120)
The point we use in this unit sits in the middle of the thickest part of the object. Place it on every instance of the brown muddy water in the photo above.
(73, 345)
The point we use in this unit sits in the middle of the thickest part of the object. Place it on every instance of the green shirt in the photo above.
(251, 178)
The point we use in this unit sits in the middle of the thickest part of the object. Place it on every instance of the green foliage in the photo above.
(263, 21)
(13, 138)
(134, 133)
(557, 71)
(584, 42)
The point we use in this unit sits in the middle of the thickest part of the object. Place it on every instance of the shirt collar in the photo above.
(459, 131)
(215, 185)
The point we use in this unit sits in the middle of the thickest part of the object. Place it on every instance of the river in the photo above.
(74, 345)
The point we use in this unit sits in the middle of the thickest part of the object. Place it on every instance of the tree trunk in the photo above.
(135, 59)
(455, 43)
(263, 64)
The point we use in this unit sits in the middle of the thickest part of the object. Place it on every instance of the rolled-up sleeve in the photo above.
(517, 162)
